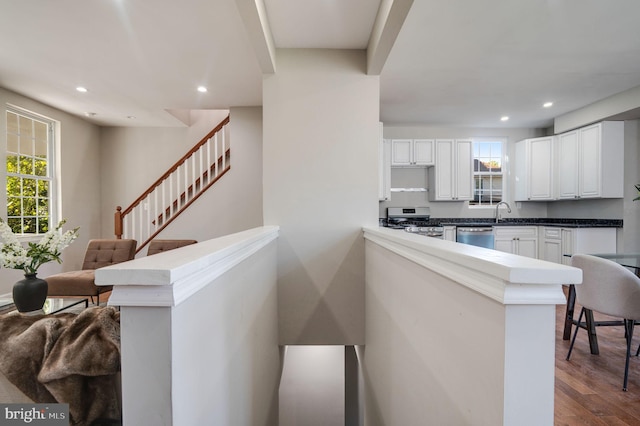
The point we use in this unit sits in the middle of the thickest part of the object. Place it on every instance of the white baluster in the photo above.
(208, 160)
(215, 148)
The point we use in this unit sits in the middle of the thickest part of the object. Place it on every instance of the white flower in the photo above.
(14, 256)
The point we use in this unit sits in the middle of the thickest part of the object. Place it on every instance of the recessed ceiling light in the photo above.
(81, 89)
(504, 118)
(202, 89)
(547, 104)
(90, 114)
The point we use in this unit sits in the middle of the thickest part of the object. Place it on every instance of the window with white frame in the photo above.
(488, 179)
(29, 172)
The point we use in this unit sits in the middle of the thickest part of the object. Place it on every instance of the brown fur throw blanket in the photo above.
(65, 358)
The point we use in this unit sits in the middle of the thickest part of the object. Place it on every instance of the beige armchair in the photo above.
(99, 253)
(158, 246)
(611, 289)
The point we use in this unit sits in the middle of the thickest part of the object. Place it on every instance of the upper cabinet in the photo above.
(452, 179)
(412, 152)
(534, 171)
(384, 168)
(590, 162)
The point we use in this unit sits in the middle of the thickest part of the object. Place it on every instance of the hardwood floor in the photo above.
(588, 388)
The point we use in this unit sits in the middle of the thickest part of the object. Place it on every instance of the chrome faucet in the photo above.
(498, 213)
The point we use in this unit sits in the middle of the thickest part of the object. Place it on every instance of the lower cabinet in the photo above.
(551, 248)
(521, 240)
(560, 243)
(450, 233)
(587, 240)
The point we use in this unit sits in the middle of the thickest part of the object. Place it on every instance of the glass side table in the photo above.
(52, 305)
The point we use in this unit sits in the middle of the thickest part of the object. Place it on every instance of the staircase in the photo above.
(176, 189)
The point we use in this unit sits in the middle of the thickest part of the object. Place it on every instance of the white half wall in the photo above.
(321, 132)
(199, 332)
(458, 335)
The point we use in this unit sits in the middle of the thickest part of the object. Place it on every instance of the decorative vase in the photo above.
(30, 293)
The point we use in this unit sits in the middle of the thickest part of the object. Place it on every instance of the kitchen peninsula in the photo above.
(539, 238)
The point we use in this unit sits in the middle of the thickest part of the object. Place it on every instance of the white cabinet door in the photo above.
(450, 233)
(423, 152)
(521, 240)
(590, 162)
(464, 170)
(505, 245)
(401, 154)
(567, 165)
(412, 152)
(534, 171)
(451, 179)
(527, 247)
(384, 169)
(551, 247)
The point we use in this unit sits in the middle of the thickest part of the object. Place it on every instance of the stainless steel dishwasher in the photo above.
(481, 236)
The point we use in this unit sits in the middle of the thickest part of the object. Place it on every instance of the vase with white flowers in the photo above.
(30, 293)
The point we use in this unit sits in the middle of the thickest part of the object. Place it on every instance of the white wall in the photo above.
(234, 203)
(630, 240)
(321, 115)
(79, 182)
(133, 158)
(417, 177)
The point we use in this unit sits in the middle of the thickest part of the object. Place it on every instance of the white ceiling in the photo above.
(455, 62)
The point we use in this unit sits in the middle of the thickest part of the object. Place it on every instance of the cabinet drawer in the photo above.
(553, 233)
(515, 231)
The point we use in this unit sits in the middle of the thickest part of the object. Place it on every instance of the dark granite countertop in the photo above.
(565, 223)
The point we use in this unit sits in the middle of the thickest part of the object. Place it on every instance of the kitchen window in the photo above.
(487, 172)
(29, 172)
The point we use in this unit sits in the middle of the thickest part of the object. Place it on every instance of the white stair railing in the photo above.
(176, 189)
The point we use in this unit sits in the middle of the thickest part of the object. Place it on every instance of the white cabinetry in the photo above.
(451, 179)
(384, 165)
(450, 233)
(587, 240)
(534, 169)
(551, 247)
(590, 161)
(412, 152)
(558, 242)
(521, 240)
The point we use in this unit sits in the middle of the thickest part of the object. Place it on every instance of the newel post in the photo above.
(118, 222)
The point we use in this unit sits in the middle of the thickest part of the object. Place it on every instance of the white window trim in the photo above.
(505, 162)
(54, 145)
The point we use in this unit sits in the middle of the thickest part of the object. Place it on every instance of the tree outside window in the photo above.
(28, 172)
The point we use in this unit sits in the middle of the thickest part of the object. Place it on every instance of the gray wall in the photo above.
(79, 181)
(133, 158)
(321, 126)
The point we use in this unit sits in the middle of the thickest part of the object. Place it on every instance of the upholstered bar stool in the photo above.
(99, 253)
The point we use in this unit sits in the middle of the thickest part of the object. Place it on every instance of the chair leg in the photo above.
(628, 326)
(575, 333)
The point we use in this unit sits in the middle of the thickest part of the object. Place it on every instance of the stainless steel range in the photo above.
(414, 220)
